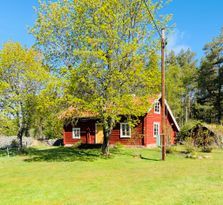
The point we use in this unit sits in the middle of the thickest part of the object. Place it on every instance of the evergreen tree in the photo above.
(209, 105)
(181, 83)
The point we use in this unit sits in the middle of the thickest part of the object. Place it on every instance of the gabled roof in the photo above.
(74, 112)
(172, 116)
(168, 109)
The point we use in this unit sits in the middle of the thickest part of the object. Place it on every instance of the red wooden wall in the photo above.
(87, 132)
(143, 128)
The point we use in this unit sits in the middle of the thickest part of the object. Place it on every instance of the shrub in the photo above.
(189, 145)
(118, 145)
(14, 143)
(207, 149)
(196, 135)
(185, 129)
(170, 149)
(203, 139)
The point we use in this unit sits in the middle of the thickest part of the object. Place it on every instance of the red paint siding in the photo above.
(136, 135)
(150, 118)
(87, 129)
(143, 128)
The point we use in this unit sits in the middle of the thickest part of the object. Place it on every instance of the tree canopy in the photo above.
(22, 77)
(105, 47)
(209, 105)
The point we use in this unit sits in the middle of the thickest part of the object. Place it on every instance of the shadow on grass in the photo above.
(150, 159)
(132, 153)
(70, 154)
(62, 154)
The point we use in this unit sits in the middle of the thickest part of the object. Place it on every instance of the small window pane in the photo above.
(156, 129)
(125, 130)
(76, 133)
(157, 107)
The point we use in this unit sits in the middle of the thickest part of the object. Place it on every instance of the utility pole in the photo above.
(163, 127)
(163, 45)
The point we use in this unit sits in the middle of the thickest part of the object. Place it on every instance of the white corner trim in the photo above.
(169, 110)
(172, 116)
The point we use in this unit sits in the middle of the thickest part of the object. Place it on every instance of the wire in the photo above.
(151, 16)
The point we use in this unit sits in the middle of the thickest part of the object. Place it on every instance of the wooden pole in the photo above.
(163, 44)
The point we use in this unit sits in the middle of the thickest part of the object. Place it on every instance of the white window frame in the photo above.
(155, 106)
(74, 136)
(158, 127)
(121, 134)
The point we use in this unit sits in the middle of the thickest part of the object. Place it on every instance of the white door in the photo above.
(156, 132)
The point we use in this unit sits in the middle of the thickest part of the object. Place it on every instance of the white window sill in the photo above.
(125, 137)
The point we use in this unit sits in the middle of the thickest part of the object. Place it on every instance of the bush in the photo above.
(195, 135)
(185, 129)
(189, 145)
(14, 143)
(170, 149)
(118, 145)
(204, 140)
(207, 149)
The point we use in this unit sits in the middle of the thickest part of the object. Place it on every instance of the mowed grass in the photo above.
(73, 176)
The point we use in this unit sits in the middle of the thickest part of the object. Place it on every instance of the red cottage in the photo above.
(88, 129)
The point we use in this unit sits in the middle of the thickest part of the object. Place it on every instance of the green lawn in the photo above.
(72, 176)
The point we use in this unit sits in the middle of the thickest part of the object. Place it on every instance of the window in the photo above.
(157, 107)
(156, 129)
(76, 133)
(125, 130)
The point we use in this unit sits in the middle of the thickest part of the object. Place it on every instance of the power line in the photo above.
(151, 16)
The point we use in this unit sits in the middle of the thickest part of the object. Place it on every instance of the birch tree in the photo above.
(22, 76)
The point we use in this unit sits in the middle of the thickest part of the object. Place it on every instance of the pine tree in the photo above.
(181, 83)
(210, 82)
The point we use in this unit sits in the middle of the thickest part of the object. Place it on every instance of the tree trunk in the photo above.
(105, 145)
(186, 108)
(108, 125)
(19, 135)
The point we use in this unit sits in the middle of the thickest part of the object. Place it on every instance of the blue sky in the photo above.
(197, 22)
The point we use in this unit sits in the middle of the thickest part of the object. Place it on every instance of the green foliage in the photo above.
(204, 140)
(195, 135)
(170, 149)
(190, 146)
(181, 83)
(184, 131)
(209, 96)
(218, 130)
(118, 146)
(23, 76)
(8, 126)
(103, 46)
(49, 104)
